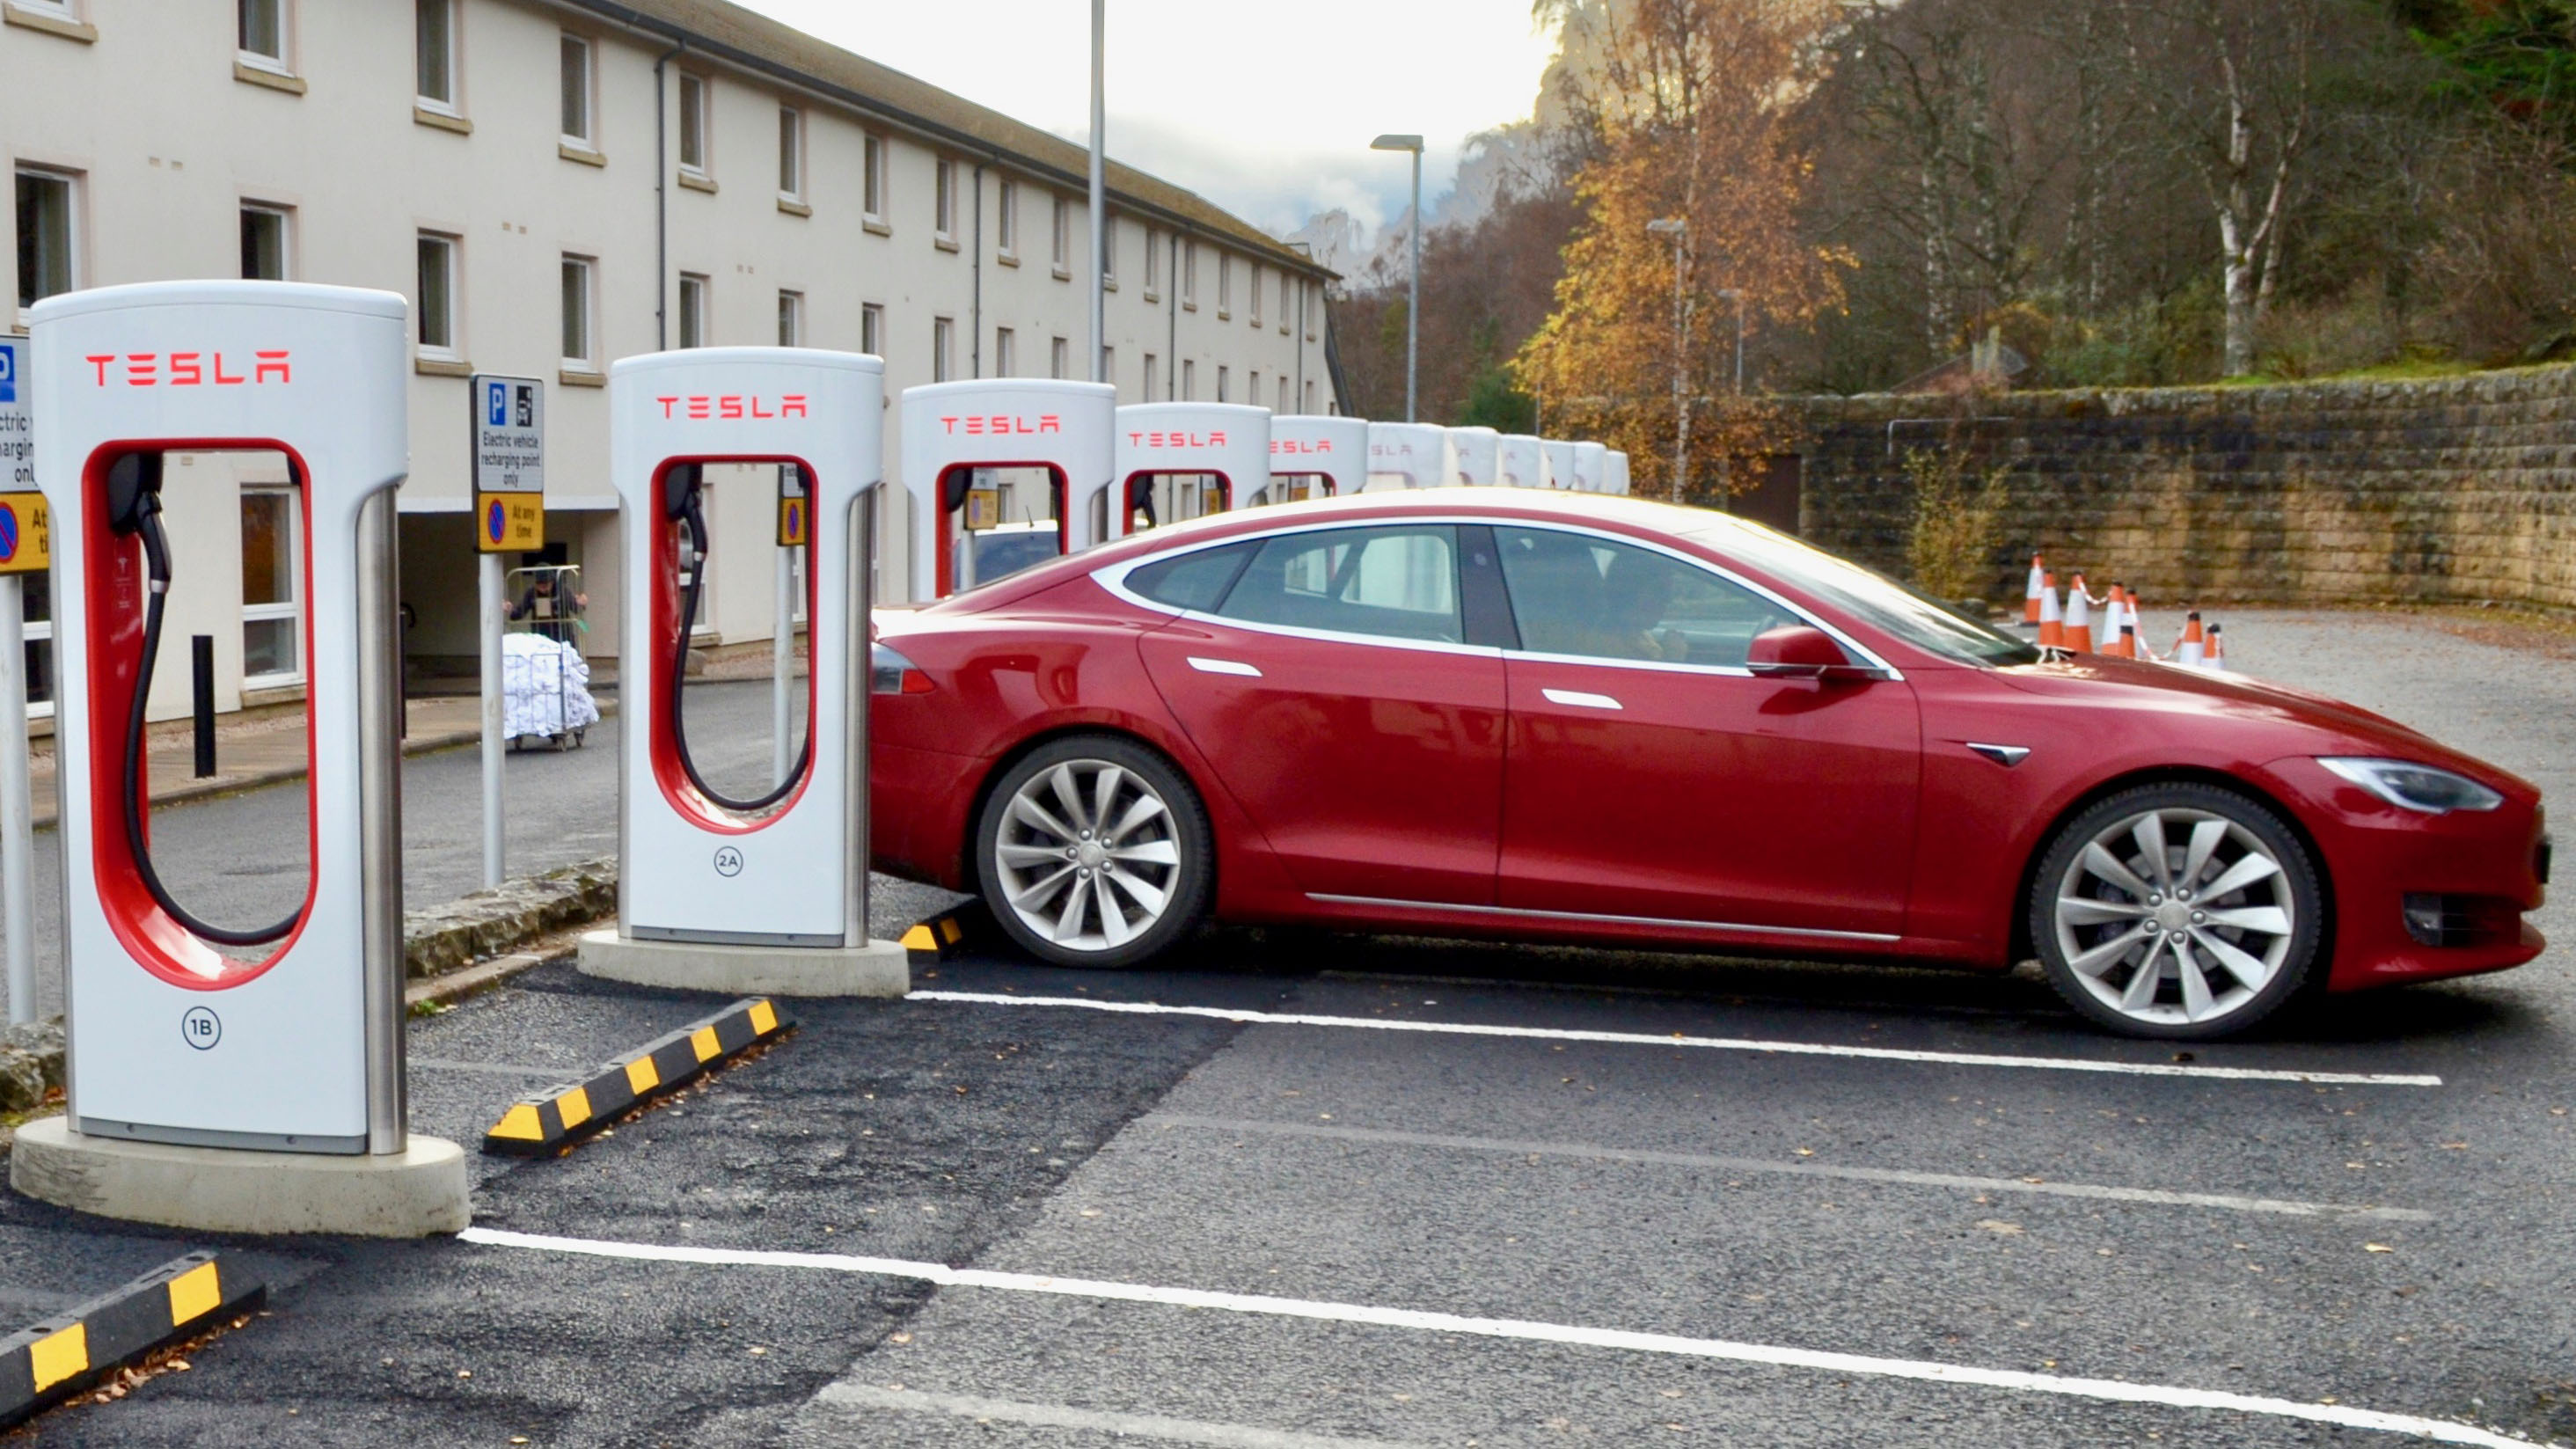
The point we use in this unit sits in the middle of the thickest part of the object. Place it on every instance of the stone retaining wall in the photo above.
(2458, 489)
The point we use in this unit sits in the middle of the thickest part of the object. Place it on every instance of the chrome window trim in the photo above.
(1663, 922)
(1114, 579)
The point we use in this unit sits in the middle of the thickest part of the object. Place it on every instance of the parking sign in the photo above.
(509, 463)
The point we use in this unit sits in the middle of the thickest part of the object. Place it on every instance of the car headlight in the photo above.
(2410, 786)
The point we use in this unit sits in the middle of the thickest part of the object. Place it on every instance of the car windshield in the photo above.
(1000, 553)
(1867, 595)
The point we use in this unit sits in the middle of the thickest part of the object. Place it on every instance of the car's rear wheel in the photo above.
(2181, 911)
(1095, 851)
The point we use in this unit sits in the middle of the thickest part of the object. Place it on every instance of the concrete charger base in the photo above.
(411, 1194)
(879, 968)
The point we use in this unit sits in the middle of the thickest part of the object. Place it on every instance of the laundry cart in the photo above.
(545, 683)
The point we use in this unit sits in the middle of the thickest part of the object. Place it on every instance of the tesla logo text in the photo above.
(731, 406)
(190, 369)
(1176, 440)
(1003, 425)
(1301, 445)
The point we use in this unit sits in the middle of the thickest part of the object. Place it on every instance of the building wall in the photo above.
(2461, 489)
(191, 137)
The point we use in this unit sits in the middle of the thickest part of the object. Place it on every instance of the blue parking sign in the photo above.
(496, 404)
(8, 372)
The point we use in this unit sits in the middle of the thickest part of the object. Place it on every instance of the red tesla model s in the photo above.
(1577, 718)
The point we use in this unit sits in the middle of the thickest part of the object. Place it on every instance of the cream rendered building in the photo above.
(558, 183)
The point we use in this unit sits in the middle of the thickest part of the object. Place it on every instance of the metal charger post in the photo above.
(228, 1077)
(766, 894)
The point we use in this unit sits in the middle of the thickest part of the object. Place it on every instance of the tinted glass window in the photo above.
(1193, 580)
(1581, 595)
(1399, 583)
(1874, 599)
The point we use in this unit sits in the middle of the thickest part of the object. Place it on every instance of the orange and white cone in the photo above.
(2215, 658)
(2052, 619)
(2132, 646)
(2114, 613)
(2079, 618)
(2030, 595)
(2193, 645)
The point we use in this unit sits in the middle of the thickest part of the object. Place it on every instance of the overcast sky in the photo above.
(1267, 112)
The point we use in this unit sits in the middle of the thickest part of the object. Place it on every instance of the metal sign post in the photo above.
(25, 548)
(509, 432)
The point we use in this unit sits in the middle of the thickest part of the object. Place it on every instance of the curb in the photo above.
(560, 1115)
(55, 1360)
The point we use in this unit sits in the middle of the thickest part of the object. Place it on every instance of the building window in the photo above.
(872, 178)
(263, 242)
(943, 349)
(1283, 303)
(435, 27)
(1310, 395)
(872, 330)
(791, 319)
(1062, 241)
(1189, 380)
(1252, 296)
(1222, 373)
(791, 153)
(270, 573)
(1109, 250)
(693, 124)
(1283, 393)
(1059, 358)
(262, 33)
(1252, 389)
(578, 355)
(693, 310)
(45, 236)
(1190, 274)
(1006, 221)
(1306, 308)
(943, 202)
(1153, 268)
(1006, 352)
(576, 92)
(436, 304)
(1109, 366)
(1224, 286)
(1153, 375)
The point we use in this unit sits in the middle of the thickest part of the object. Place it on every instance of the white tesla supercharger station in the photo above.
(1312, 456)
(1592, 467)
(1556, 464)
(1183, 460)
(954, 430)
(766, 893)
(1614, 474)
(1475, 456)
(1407, 455)
(226, 1077)
(1520, 463)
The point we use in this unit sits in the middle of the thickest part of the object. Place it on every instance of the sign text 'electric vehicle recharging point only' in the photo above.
(194, 1035)
(764, 890)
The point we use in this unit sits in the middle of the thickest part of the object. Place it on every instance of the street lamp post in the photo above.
(1413, 296)
(1678, 228)
(1099, 216)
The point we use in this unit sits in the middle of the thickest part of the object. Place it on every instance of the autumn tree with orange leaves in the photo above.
(1688, 103)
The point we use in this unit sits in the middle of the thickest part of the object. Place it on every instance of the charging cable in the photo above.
(680, 505)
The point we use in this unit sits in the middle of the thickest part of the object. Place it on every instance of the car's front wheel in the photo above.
(1094, 851)
(2183, 911)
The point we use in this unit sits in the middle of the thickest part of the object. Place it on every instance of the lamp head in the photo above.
(1392, 142)
(1669, 226)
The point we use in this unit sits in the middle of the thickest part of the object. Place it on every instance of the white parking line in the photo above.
(1677, 1039)
(1065, 1416)
(496, 1069)
(2118, 1391)
(2288, 1206)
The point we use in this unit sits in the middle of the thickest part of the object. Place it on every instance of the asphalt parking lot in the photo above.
(1305, 1191)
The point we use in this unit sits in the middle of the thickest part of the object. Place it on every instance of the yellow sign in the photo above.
(983, 508)
(792, 522)
(510, 522)
(26, 542)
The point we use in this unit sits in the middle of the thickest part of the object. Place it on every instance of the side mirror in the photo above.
(1801, 651)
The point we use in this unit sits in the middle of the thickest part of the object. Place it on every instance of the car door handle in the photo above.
(1223, 666)
(1579, 699)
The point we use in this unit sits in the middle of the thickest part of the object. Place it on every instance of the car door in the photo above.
(1324, 674)
(1650, 775)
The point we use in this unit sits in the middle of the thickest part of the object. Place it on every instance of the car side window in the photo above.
(1586, 596)
(1193, 581)
(1396, 582)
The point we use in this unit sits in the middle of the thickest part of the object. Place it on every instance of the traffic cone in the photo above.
(2131, 646)
(2052, 620)
(2192, 646)
(2114, 614)
(2079, 618)
(2030, 596)
(2215, 658)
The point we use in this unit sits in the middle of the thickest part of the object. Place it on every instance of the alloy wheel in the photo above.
(1088, 856)
(2175, 916)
